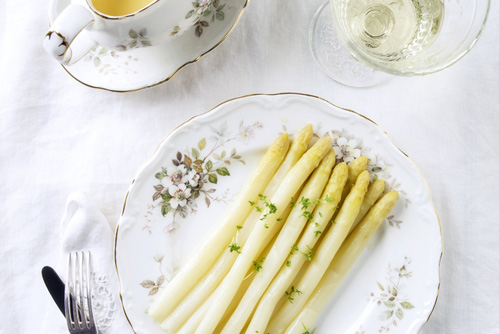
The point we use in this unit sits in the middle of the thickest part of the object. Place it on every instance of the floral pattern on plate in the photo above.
(204, 11)
(197, 171)
(109, 62)
(390, 296)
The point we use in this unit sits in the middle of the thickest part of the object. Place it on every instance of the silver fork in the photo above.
(77, 294)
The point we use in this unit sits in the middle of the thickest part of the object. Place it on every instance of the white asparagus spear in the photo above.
(345, 258)
(375, 189)
(198, 296)
(323, 255)
(281, 199)
(254, 271)
(212, 246)
(207, 285)
(189, 327)
(296, 151)
(287, 237)
(322, 216)
(355, 168)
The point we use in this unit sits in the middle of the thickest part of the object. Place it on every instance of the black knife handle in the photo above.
(55, 286)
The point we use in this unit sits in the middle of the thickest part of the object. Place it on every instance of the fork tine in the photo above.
(88, 288)
(78, 294)
(69, 306)
(79, 290)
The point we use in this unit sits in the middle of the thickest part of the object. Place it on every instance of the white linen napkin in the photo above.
(83, 227)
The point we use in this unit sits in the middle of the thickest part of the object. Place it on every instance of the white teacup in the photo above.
(122, 25)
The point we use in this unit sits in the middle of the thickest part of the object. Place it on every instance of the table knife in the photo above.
(55, 286)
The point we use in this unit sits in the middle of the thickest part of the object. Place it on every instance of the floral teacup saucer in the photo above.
(140, 65)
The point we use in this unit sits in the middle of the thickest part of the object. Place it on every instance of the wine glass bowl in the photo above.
(401, 37)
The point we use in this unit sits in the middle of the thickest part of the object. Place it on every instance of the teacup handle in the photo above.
(69, 24)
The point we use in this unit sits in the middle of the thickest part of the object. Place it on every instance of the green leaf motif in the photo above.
(133, 34)
(160, 175)
(103, 51)
(407, 305)
(165, 209)
(189, 14)
(222, 171)
(198, 31)
(97, 61)
(202, 144)
(133, 44)
(380, 286)
(400, 314)
(390, 303)
(386, 315)
(195, 153)
(219, 16)
(208, 166)
(212, 178)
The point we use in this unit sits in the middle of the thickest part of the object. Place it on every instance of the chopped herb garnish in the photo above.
(306, 330)
(305, 203)
(317, 233)
(294, 248)
(329, 199)
(258, 264)
(271, 208)
(239, 227)
(234, 248)
(333, 222)
(279, 219)
(310, 254)
(251, 203)
(307, 214)
(288, 263)
(290, 294)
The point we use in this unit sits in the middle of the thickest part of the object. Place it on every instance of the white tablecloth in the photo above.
(58, 136)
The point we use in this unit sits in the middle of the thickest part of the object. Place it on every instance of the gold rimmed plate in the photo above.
(393, 286)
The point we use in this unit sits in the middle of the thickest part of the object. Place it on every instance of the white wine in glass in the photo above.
(391, 30)
(402, 37)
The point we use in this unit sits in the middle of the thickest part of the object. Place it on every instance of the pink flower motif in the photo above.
(180, 193)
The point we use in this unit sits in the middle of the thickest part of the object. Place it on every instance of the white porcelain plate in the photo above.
(393, 286)
(142, 67)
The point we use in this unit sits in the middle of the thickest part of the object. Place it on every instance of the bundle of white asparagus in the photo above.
(250, 274)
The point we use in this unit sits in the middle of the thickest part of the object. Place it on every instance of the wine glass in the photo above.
(361, 43)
